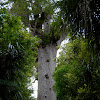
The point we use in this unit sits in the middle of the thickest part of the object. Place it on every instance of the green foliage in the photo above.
(19, 10)
(79, 63)
(55, 32)
(30, 8)
(77, 73)
(18, 53)
(40, 9)
(46, 39)
(81, 17)
(56, 26)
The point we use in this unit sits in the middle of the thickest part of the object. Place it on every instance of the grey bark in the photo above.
(46, 68)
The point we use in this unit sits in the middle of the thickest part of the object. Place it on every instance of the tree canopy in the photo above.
(79, 60)
(18, 53)
(77, 73)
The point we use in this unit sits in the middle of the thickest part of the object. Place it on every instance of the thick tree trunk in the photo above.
(46, 64)
(46, 68)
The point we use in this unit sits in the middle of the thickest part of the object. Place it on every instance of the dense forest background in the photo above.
(77, 74)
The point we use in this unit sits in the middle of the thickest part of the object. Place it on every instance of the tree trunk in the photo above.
(46, 64)
(46, 68)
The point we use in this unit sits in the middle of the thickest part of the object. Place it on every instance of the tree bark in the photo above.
(46, 68)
